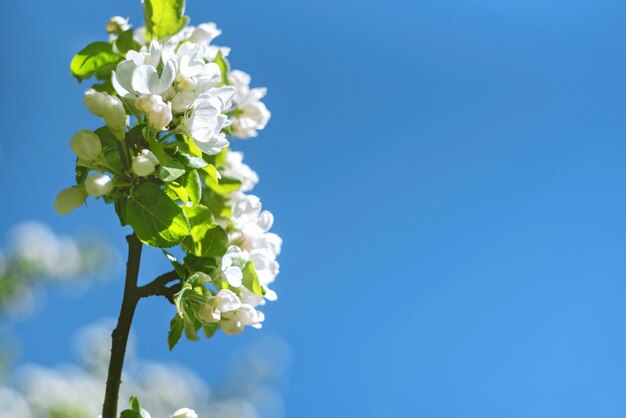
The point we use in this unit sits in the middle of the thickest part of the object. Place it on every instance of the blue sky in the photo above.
(448, 177)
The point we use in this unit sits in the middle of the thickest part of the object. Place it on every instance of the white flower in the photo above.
(86, 145)
(205, 33)
(226, 301)
(252, 115)
(117, 24)
(233, 262)
(206, 120)
(138, 74)
(246, 211)
(202, 36)
(208, 314)
(193, 72)
(248, 315)
(69, 199)
(231, 326)
(145, 163)
(249, 297)
(158, 112)
(263, 247)
(99, 185)
(109, 108)
(235, 168)
(184, 413)
(265, 264)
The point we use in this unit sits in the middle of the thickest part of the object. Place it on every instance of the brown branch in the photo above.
(120, 333)
(132, 295)
(158, 287)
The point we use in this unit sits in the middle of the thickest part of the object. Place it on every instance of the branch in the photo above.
(120, 333)
(158, 287)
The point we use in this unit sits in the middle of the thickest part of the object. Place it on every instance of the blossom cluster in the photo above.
(171, 107)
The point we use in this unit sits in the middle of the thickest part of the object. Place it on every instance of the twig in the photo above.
(120, 333)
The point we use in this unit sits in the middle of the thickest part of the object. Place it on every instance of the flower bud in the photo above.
(231, 326)
(86, 145)
(145, 163)
(159, 113)
(117, 24)
(184, 413)
(98, 185)
(69, 199)
(207, 314)
(109, 108)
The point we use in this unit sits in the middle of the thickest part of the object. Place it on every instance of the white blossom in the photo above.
(138, 74)
(184, 413)
(109, 108)
(86, 145)
(208, 314)
(158, 112)
(144, 163)
(117, 24)
(69, 199)
(206, 120)
(248, 315)
(252, 115)
(226, 301)
(253, 236)
(99, 185)
(231, 326)
(233, 262)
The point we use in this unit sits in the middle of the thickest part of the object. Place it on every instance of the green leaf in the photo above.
(94, 58)
(191, 330)
(107, 138)
(251, 280)
(217, 203)
(125, 42)
(193, 186)
(134, 404)
(175, 191)
(157, 149)
(177, 266)
(214, 242)
(134, 138)
(120, 209)
(164, 17)
(224, 68)
(157, 220)
(204, 264)
(176, 331)
(209, 330)
(211, 171)
(170, 169)
(226, 185)
(200, 219)
(111, 148)
(193, 162)
(129, 413)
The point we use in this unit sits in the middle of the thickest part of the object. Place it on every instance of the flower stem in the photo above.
(120, 333)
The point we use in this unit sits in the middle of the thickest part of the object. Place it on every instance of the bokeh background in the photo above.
(448, 177)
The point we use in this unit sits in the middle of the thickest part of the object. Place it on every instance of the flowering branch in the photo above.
(171, 105)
